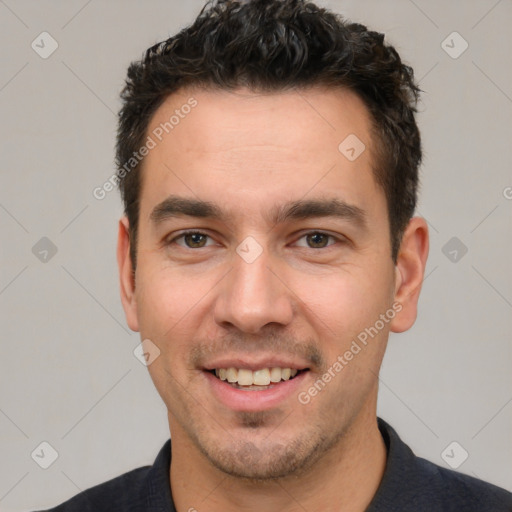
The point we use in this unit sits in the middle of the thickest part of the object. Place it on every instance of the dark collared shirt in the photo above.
(410, 484)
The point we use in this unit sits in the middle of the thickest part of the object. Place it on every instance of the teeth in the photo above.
(231, 374)
(245, 378)
(263, 377)
(275, 374)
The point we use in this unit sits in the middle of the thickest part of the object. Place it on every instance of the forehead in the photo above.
(246, 147)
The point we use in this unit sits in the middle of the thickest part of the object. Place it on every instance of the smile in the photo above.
(263, 378)
(255, 397)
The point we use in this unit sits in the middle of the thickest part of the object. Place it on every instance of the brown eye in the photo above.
(192, 240)
(317, 240)
(195, 240)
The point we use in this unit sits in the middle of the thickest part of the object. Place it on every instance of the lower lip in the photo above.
(256, 400)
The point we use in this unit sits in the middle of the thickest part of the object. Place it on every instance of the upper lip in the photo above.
(255, 364)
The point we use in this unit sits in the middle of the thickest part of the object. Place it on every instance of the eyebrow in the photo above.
(313, 208)
(177, 206)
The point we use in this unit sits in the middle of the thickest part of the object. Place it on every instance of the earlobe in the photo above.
(410, 270)
(126, 275)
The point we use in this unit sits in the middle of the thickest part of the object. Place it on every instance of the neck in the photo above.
(345, 479)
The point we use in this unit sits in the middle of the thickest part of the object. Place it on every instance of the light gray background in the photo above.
(68, 375)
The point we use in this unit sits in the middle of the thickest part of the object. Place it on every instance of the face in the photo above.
(263, 254)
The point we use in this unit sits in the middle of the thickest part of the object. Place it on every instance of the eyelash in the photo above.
(185, 233)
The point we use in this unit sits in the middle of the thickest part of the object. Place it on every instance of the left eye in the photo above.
(193, 240)
(316, 240)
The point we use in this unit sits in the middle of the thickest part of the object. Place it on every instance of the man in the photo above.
(268, 161)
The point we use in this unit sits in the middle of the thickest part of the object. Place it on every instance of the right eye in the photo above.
(191, 240)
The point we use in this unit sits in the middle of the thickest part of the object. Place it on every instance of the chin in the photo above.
(264, 458)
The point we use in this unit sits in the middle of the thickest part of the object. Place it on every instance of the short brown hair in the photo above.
(272, 45)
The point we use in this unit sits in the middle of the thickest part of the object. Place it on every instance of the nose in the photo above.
(253, 295)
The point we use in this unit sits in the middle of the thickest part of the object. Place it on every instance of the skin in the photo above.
(303, 299)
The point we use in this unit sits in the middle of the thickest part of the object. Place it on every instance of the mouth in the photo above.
(264, 383)
(255, 380)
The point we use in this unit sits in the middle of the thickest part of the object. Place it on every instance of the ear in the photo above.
(410, 269)
(126, 275)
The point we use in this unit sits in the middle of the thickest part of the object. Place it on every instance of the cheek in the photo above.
(344, 304)
(167, 309)
(173, 307)
(345, 316)
(162, 301)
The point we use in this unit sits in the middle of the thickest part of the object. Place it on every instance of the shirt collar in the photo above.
(158, 489)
